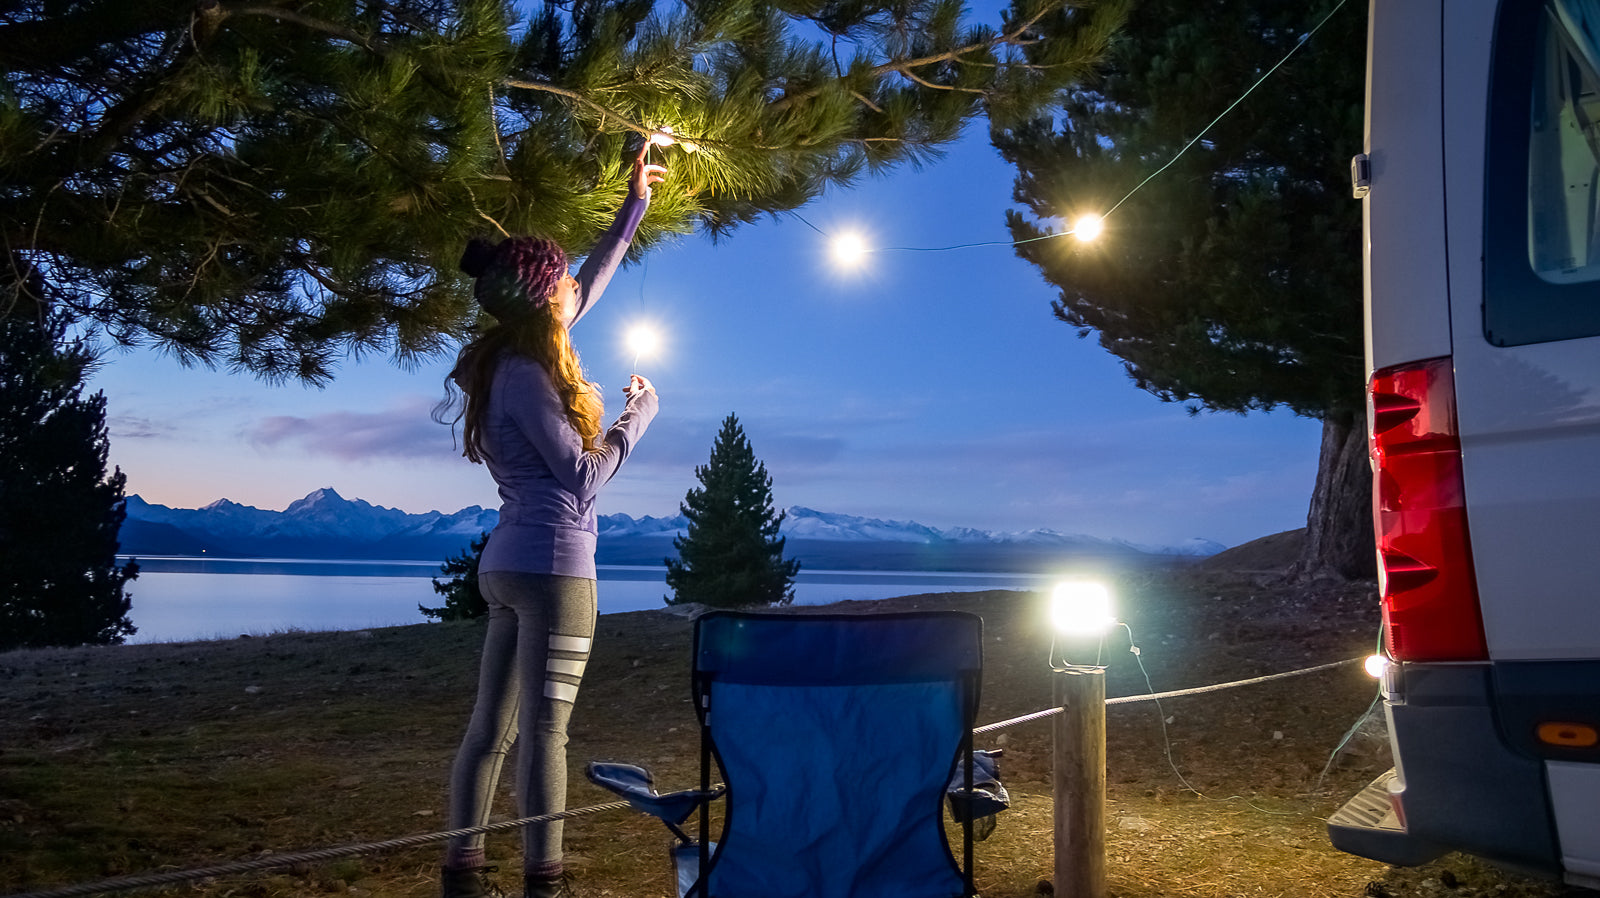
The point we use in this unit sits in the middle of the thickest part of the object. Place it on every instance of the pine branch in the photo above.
(902, 66)
(929, 84)
(304, 21)
(604, 111)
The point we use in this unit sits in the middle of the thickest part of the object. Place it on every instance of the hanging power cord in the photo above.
(1166, 739)
(1360, 721)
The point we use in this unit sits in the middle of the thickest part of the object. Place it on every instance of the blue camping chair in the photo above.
(838, 737)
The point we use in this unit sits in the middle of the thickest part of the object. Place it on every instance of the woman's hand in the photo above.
(638, 383)
(645, 175)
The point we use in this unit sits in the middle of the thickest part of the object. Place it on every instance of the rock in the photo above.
(1134, 824)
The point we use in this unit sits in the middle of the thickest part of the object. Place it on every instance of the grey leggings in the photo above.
(540, 630)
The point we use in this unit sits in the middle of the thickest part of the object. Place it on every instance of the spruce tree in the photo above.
(462, 600)
(270, 186)
(1231, 281)
(60, 583)
(732, 555)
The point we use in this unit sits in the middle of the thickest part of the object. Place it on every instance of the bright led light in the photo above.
(1081, 608)
(643, 340)
(1088, 227)
(849, 249)
(1376, 666)
(663, 136)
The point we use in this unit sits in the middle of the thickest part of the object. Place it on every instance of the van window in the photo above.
(1542, 232)
(1564, 149)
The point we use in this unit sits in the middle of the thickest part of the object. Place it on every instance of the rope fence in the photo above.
(280, 861)
(1158, 696)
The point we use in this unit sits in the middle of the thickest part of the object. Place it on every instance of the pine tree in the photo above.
(462, 600)
(732, 555)
(60, 583)
(1231, 281)
(270, 186)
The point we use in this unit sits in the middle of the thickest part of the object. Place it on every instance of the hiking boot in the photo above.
(547, 887)
(469, 882)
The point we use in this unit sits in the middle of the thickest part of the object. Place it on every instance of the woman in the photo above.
(532, 418)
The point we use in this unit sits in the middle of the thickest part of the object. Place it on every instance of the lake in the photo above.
(184, 598)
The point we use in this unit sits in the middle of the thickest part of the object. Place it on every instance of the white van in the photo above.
(1481, 177)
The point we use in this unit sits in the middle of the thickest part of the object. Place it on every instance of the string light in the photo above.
(644, 339)
(1089, 227)
(849, 249)
(665, 137)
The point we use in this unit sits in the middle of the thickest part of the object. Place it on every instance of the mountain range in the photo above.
(327, 525)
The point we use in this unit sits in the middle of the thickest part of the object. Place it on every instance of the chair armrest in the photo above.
(635, 784)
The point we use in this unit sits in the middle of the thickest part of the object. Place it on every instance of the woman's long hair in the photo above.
(537, 336)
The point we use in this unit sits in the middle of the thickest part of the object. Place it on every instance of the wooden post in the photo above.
(1080, 783)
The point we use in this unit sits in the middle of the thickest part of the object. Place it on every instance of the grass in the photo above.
(137, 758)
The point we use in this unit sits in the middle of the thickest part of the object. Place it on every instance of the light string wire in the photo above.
(1166, 739)
(1304, 39)
(1360, 721)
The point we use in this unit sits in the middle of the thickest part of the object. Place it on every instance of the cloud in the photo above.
(682, 443)
(132, 427)
(404, 431)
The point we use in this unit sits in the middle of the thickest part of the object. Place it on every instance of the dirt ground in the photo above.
(125, 760)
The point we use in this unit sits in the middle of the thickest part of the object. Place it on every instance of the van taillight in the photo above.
(1430, 597)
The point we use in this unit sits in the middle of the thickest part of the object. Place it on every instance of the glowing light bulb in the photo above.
(1088, 227)
(662, 137)
(1081, 608)
(849, 249)
(644, 340)
(1375, 666)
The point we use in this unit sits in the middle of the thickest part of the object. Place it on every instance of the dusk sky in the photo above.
(929, 386)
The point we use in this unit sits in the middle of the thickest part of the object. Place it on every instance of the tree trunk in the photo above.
(1339, 538)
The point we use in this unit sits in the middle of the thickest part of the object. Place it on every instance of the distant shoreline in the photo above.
(651, 552)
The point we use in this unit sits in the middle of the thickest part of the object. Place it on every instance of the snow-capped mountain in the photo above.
(327, 525)
(805, 523)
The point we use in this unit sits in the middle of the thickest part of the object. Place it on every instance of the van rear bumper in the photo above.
(1458, 785)
(1369, 826)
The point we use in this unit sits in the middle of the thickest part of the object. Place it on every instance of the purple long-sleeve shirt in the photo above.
(547, 482)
